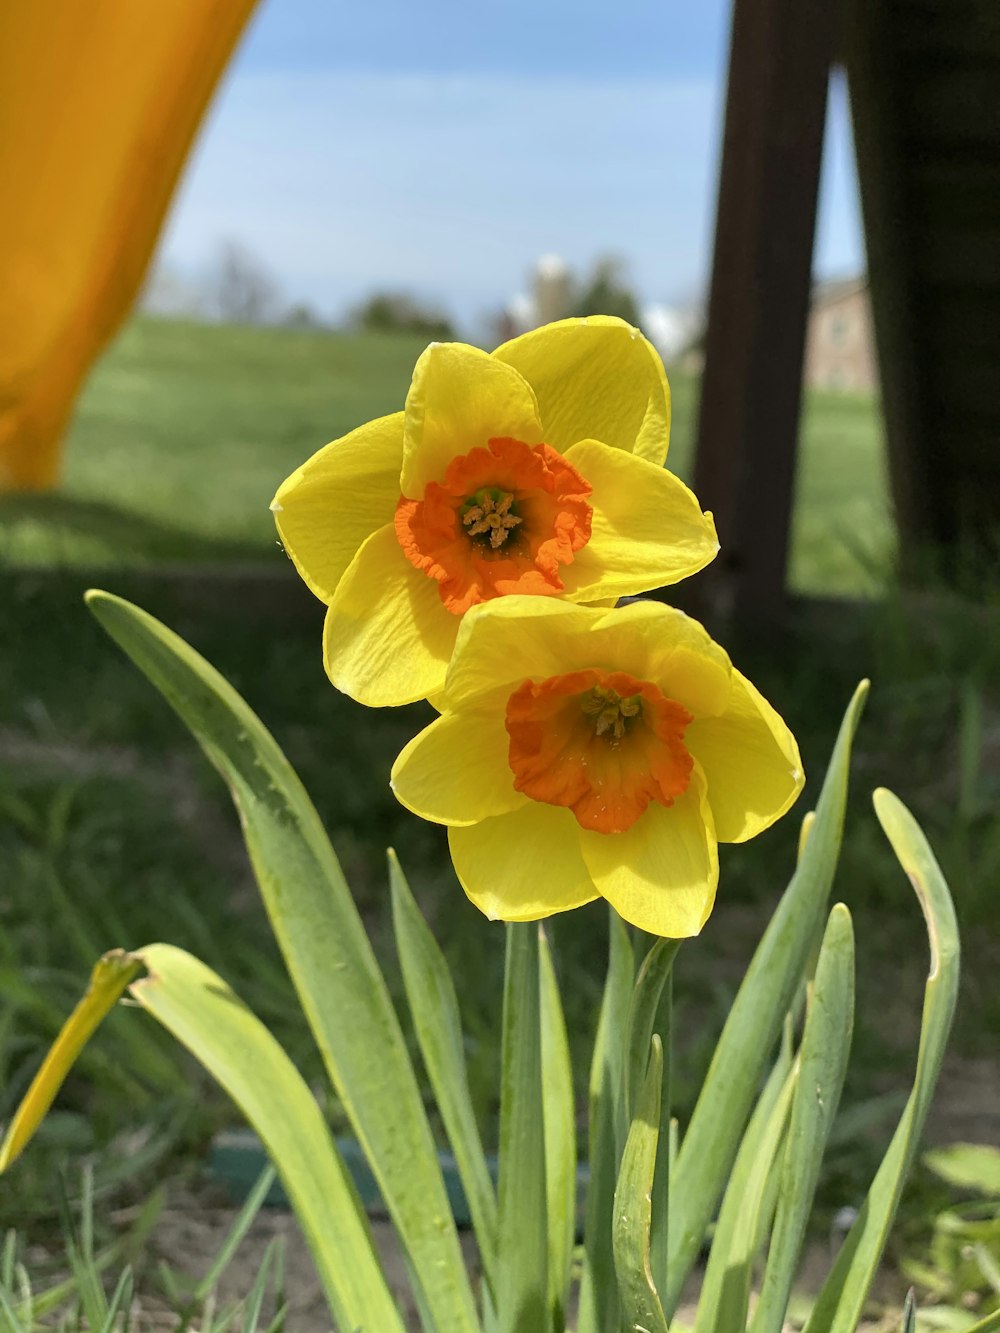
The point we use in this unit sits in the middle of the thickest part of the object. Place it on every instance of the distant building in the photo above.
(553, 289)
(840, 345)
(673, 330)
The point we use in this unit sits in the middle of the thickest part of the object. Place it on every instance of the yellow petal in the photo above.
(595, 379)
(647, 529)
(659, 643)
(751, 763)
(387, 638)
(459, 399)
(504, 642)
(662, 874)
(337, 499)
(523, 865)
(456, 771)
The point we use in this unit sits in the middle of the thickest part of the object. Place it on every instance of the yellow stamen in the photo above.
(491, 517)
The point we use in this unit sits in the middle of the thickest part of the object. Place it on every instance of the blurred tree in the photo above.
(608, 292)
(241, 289)
(396, 312)
(301, 315)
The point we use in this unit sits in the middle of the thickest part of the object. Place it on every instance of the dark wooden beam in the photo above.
(926, 128)
(780, 57)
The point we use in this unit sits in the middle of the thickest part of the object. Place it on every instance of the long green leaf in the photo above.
(437, 1021)
(709, 1147)
(640, 1303)
(640, 1023)
(196, 1005)
(826, 1043)
(598, 1287)
(725, 1290)
(841, 1300)
(560, 1136)
(651, 1004)
(522, 1241)
(326, 950)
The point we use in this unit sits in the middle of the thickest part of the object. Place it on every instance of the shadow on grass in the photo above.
(54, 529)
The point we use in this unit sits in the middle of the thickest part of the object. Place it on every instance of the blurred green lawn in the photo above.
(185, 431)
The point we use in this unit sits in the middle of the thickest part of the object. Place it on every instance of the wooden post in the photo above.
(780, 57)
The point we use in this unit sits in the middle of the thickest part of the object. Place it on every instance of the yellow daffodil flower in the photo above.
(585, 752)
(537, 469)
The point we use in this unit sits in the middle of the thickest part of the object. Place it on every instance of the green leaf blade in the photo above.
(200, 1010)
(725, 1290)
(560, 1136)
(826, 1043)
(326, 951)
(433, 1003)
(841, 1300)
(640, 1302)
(522, 1242)
(709, 1146)
(598, 1286)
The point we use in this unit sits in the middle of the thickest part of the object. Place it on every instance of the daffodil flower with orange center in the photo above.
(534, 470)
(584, 752)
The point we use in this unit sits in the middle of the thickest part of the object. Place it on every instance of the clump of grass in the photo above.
(94, 1288)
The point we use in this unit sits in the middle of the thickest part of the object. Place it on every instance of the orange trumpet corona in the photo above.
(604, 744)
(503, 521)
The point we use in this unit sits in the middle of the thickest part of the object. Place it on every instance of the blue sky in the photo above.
(441, 147)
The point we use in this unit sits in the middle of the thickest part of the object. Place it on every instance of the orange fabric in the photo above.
(503, 521)
(99, 102)
(602, 743)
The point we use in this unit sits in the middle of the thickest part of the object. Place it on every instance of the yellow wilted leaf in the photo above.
(108, 981)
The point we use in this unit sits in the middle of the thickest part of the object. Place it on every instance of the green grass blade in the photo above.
(198, 1008)
(842, 1298)
(11, 1317)
(241, 1225)
(710, 1144)
(560, 1136)
(640, 1303)
(79, 1239)
(255, 1301)
(598, 1286)
(522, 1240)
(121, 1300)
(826, 1043)
(725, 1290)
(908, 1322)
(325, 948)
(433, 1003)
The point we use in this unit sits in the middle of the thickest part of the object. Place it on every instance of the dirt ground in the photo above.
(191, 1231)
